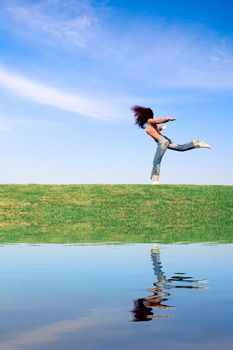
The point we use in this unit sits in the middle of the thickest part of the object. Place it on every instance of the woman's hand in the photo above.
(171, 119)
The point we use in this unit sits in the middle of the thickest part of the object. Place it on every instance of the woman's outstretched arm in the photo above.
(160, 121)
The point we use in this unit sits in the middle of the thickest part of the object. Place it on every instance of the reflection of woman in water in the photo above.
(144, 307)
(144, 116)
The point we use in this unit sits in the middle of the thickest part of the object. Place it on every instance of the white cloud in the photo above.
(43, 94)
(151, 51)
(54, 332)
(173, 56)
(69, 22)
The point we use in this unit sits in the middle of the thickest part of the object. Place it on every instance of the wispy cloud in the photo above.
(173, 55)
(69, 22)
(155, 52)
(43, 94)
(54, 332)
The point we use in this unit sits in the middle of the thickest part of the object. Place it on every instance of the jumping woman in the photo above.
(144, 116)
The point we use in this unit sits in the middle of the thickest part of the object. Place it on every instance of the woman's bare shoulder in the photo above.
(150, 121)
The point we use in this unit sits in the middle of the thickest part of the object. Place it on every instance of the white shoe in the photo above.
(155, 180)
(203, 144)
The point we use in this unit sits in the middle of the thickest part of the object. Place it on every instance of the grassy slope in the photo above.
(115, 213)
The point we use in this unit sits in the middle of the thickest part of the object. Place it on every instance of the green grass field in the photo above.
(115, 213)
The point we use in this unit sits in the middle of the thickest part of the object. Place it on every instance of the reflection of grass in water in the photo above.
(115, 213)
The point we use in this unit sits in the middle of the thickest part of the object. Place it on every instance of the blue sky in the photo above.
(70, 71)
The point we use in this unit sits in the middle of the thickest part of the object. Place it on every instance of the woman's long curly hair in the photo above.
(142, 114)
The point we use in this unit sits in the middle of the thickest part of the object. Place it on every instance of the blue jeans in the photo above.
(163, 144)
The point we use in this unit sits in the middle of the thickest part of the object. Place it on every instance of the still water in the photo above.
(116, 297)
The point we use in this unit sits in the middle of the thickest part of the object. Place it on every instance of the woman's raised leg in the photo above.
(187, 146)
